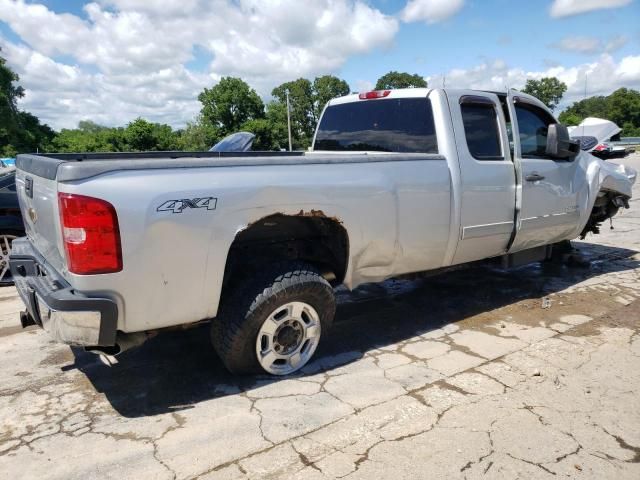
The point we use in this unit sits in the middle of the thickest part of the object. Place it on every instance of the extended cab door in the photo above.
(549, 205)
(488, 183)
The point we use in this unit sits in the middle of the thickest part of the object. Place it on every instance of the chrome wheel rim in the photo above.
(5, 251)
(288, 338)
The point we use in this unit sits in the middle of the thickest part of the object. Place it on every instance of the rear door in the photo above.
(487, 175)
(549, 210)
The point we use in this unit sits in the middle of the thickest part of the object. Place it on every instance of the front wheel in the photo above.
(275, 321)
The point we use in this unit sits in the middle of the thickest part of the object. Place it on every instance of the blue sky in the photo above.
(519, 32)
(116, 59)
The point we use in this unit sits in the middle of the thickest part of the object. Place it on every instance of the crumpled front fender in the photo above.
(615, 177)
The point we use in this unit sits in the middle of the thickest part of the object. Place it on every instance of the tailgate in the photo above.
(38, 198)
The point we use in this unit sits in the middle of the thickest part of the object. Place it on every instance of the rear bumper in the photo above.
(68, 316)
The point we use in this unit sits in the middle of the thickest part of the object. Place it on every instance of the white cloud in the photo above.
(589, 45)
(603, 76)
(364, 86)
(136, 51)
(615, 43)
(61, 95)
(565, 8)
(430, 11)
(579, 44)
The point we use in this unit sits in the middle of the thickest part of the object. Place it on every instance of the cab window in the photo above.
(533, 124)
(481, 130)
(402, 125)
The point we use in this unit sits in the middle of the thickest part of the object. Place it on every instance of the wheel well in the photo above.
(311, 237)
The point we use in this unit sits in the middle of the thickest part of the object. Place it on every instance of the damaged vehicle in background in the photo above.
(236, 142)
(120, 246)
(595, 135)
(11, 225)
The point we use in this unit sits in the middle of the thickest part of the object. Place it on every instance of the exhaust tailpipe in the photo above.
(124, 342)
(26, 319)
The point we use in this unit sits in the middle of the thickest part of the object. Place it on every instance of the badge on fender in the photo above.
(178, 206)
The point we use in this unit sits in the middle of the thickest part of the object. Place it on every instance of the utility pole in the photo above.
(288, 118)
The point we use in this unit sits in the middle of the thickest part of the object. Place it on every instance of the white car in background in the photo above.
(594, 135)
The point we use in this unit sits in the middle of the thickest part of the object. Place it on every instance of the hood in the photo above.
(598, 128)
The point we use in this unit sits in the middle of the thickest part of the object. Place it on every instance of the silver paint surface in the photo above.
(403, 213)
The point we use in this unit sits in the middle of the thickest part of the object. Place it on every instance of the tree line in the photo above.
(232, 105)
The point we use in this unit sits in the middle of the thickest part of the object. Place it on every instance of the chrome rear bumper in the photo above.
(68, 316)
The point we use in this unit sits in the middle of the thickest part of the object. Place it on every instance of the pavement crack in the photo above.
(304, 459)
(562, 457)
(542, 467)
(625, 446)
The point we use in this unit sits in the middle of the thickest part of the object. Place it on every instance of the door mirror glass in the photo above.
(559, 143)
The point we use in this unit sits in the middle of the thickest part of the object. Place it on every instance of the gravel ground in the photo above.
(530, 373)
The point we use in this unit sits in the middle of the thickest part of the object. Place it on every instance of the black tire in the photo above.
(234, 331)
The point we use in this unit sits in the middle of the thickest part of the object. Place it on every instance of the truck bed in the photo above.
(78, 166)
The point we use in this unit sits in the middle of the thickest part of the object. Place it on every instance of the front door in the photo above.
(549, 208)
(487, 175)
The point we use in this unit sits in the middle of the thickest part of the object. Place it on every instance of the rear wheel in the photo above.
(274, 322)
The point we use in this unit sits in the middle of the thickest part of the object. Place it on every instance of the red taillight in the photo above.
(90, 234)
(600, 147)
(374, 94)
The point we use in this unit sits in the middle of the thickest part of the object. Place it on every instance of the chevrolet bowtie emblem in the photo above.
(33, 215)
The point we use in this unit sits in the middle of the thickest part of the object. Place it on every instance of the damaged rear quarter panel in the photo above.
(396, 214)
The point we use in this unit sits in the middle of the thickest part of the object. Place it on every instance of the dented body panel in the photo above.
(402, 212)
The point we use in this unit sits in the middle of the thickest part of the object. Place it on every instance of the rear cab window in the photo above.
(402, 125)
(480, 120)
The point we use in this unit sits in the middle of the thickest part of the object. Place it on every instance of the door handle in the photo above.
(534, 177)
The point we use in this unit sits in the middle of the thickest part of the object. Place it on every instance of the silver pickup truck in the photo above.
(120, 246)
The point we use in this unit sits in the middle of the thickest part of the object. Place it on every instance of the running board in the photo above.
(524, 257)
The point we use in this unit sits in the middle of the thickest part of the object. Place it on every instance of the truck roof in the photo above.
(423, 92)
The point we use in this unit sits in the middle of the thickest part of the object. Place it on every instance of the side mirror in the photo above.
(559, 143)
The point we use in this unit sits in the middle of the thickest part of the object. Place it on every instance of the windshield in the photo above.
(390, 125)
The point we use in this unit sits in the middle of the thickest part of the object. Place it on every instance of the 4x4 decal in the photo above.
(177, 206)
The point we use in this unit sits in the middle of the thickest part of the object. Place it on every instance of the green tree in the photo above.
(301, 102)
(9, 95)
(90, 126)
(621, 107)
(549, 90)
(19, 131)
(277, 117)
(263, 132)
(324, 89)
(271, 132)
(624, 107)
(139, 135)
(142, 135)
(229, 104)
(393, 79)
(90, 137)
(307, 100)
(589, 107)
(570, 119)
(198, 135)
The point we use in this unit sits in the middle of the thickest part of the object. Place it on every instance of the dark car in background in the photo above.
(11, 225)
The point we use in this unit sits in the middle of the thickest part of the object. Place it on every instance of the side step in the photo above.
(558, 253)
(524, 257)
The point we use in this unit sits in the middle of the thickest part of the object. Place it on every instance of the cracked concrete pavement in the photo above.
(478, 373)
